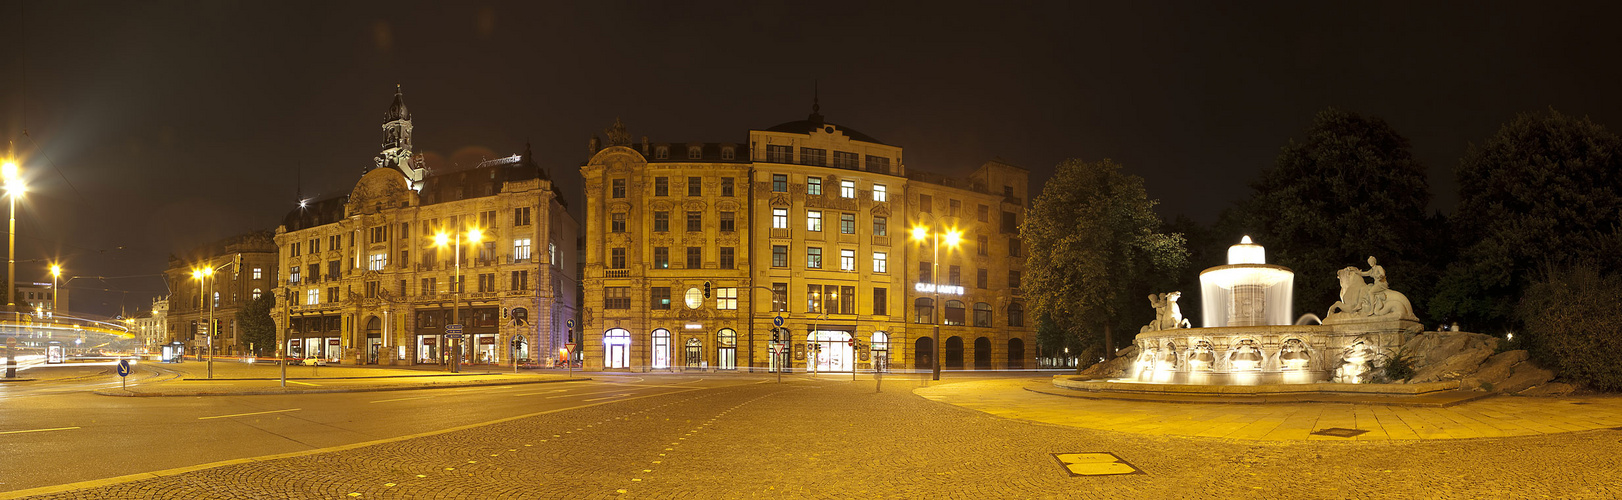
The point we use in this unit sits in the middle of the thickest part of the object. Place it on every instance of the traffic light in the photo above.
(706, 289)
(776, 337)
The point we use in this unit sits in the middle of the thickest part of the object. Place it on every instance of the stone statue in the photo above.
(617, 135)
(1355, 365)
(1360, 299)
(1168, 316)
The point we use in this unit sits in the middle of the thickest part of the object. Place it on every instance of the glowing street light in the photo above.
(14, 186)
(56, 272)
(202, 274)
(474, 235)
(953, 237)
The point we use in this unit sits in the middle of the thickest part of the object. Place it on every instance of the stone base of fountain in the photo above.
(1341, 351)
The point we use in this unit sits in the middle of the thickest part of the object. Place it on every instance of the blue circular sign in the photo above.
(778, 320)
(123, 368)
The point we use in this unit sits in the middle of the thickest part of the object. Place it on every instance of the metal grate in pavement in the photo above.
(1339, 432)
(1101, 463)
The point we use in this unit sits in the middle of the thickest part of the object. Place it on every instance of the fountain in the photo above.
(1248, 339)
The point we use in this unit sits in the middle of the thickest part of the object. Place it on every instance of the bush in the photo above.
(1397, 366)
(1570, 326)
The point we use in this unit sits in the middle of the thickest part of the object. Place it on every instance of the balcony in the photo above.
(883, 241)
(616, 273)
(780, 233)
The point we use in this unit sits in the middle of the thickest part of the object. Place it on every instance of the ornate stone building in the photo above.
(151, 326)
(244, 268)
(365, 279)
(808, 221)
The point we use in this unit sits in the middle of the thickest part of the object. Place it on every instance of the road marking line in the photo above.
(609, 397)
(246, 414)
(586, 393)
(304, 383)
(39, 430)
(542, 392)
(400, 399)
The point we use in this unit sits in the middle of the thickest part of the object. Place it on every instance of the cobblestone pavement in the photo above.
(829, 439)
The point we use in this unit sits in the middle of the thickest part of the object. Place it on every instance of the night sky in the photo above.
(155, 128)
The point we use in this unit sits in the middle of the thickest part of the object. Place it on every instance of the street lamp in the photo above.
(953, 236)
(15, 187)
(474, 235)
(56, 272)
(202, 274)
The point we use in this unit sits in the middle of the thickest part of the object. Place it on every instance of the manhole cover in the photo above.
(1341, 432)
(1094, 464)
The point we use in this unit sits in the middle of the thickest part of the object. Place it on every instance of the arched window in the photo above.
(881, 341)
(982, 353)
(954, 312)
(374, 325)
(923, 353)
(617, 348)
(257, 293)
(1016, 314)
(661, 348)
(952, 357)
(1016, 354)
(726, 354)
(982, 314)
(923, 309)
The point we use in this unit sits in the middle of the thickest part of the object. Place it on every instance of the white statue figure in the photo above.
(1354, 366)
(1359, 298)
(1168, 316)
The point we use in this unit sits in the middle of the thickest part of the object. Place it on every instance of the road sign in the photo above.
(570, 324)
(568, 347)
(453, 329)
(123, 368)
(778, 320)
(453, 336)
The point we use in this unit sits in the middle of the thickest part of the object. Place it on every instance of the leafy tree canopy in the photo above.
(258, 329)
(1096, 250)
(1546, 190)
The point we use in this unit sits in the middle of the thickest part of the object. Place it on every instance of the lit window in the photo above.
(813, 220)
(813, 186)
(257, 294)
(847, 223)
(552, 253)
(847, 189)
(312, 296)
(779, 219)
(880, 262)
(726, 298)
(879, 193)
(521, 249)
(847, 260)
(257, 273)
(813, 258)
(376, 261)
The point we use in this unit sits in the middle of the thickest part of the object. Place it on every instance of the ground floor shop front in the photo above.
(490, 334)
(826, 349)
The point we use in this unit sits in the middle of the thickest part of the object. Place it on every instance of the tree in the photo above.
(1567, 326)
(1545, 191)
(258, 329)
(1349, 190)
(1097, 250)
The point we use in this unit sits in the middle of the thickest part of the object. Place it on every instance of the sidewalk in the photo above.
(1038, 401)
(234, 378)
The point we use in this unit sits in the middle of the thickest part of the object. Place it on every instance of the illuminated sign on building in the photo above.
(941, 289)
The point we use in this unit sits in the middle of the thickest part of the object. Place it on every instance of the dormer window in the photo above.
(695, 152)
(661, 153)
(728, 153)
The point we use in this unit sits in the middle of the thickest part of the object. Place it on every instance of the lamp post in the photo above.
(56, 272)
(203, 274)
(952, 238)
(14, 187)
(474, 235)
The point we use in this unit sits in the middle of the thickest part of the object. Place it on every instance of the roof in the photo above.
(397, 111)
(815, 122)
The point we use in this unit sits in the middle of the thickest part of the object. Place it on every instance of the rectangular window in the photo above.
(520, 249)
(813, 258)
(332, 268)
(846, 160)
(660, 296)
(332, 294)
(521, 216)
(878, 164)
(726, 298)
(779, 218)
(520, 280)
(982, 245)
(980, 279)
(617, 223)
(695, 186)
(953, 207)
(258, 273)
(985, 213)
(661, 257)
(487, 282)
(813, 299)
(430, 286)
(334, 242)
(779, 255)
(954, 275)
(847, 300)
(1014, 249)
(695, 257)
(881, 262)
(661, 186)
(879, 193)
(728, 222)
(695, 222)
(618, 188)
(315, 245)
(1010, 223)
(312, 296)
(617, 297)
(830, 299)
(402, 288)
(847, 223)
(727, 257)
(779, 182)
(813, 186)
(726, 186)
(661, 222)
(459, 284)
(847, 260)
(926, 272)
(813, 220)
(814, 156)
(1013, 279)
(293, 250)
(780, 154)
(377, 261)
(486, 219)
(292, 275)
(405, 257)
(847, 189)
(616, 258)
(779, 297)
(926, 204)
(881, 226)
(880, 302)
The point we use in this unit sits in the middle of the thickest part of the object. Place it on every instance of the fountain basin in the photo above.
(1263, 355)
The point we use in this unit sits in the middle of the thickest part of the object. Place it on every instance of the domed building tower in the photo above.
(397, 151)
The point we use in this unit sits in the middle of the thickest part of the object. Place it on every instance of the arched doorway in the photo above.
(982, 353)
(922, 351)
(617, 348)
(1016, 354)
(661, 349)
(726, 353)
(835, 353)
(374, 339)
(953, 357)
(881, 352)
(695, 354)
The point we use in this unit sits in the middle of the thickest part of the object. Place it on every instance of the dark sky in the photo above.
(154, 127)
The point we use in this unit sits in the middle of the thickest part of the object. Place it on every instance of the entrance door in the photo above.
(427, 349)
(374, 345)
(922, 354)
(695, 353)
(661, 349)
(616, 348)
(836, 354)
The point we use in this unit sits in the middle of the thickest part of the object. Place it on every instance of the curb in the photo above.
(127, 393)
(1323, 398)
(352, 377)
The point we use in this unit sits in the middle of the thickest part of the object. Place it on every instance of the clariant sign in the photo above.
(942, 289)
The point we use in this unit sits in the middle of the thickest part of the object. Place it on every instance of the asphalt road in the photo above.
(57, 432)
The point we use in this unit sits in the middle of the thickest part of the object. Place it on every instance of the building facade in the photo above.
(151, 329)
(377, 275)
(244, 269)
(42, 299)
(695, 250)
